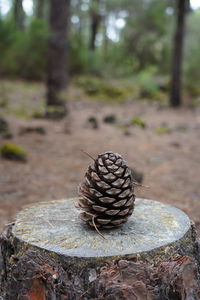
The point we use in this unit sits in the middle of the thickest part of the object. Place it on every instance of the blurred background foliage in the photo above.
(23, 52)
(114, 39)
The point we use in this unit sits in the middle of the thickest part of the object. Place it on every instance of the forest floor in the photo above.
(169, 158)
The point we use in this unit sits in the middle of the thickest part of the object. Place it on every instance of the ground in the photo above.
(56, 164)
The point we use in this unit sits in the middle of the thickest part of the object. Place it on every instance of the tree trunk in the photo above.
(57, 73)
(95, 22)
(40, 9)
(105, 36)
(177, 59)
(80, 29)
(19, 14)
(49, 254)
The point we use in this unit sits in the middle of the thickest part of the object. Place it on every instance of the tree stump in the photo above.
(49, 254)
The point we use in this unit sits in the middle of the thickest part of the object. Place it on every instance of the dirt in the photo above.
(56, 165)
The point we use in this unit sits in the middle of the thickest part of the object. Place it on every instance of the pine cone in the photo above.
(107, 192)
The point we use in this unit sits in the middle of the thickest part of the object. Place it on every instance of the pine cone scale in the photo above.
(124, 212)
(130, 201)
(119, 203)
(99, 208)
(106, 199)
(109, 177)
(112, 212)
(118, 182)
(103, 221)
(125, 193)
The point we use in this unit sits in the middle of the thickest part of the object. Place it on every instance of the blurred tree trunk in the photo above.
(80, 24)
(95, 22)
(177, 56)
(57, 72)
(79, 12)
(39, 9)
(19, 14)
(105, 42)
(105, 36)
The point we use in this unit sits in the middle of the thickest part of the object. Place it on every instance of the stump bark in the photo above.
(48, 254)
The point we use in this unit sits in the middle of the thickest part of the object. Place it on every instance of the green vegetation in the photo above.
(13, 152)
(146, 86)
(20, 111)
(99, 88)
(192, 55)
(147, 83)
(54, 112)
(138, 121)
(163, 129)
(23, 53)
(38, 114)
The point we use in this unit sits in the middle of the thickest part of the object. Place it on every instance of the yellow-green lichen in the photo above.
(13, 152)
(138, 121)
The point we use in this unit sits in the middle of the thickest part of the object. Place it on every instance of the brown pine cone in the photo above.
(107, 192)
